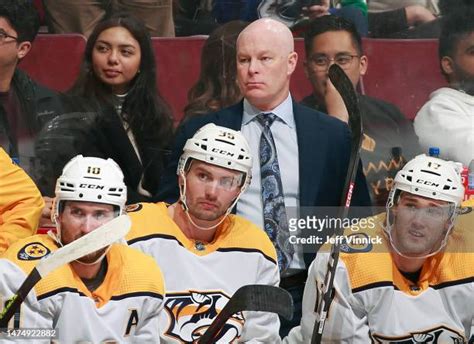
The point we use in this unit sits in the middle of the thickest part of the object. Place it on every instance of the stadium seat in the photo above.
(178, 65)
(402, 71)
(55, 59)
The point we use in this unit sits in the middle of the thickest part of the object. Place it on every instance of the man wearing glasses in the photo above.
(389, 137)
(416, 285)
(25, 106)
(206, 252)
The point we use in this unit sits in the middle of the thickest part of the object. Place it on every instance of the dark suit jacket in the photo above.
(323, 148)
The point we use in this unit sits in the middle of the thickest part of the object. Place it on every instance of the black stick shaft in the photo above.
(216, 326)
(15, 302)
(348, 94)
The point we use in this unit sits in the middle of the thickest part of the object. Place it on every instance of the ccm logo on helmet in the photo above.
(426, 182)
(221, 151)
(91, 186)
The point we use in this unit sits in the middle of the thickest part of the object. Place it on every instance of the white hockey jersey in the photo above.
(201, 277)
(375, 303)
(124, 308)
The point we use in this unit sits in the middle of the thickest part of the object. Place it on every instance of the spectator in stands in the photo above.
(193, 17)
(129, 121)
(296, 14)
(397, 19)
(310, 148)
(119, 72)
(447, 119)
(25, 106)
(82, 16)
(20, 203)
(389, 139)
(217, 87)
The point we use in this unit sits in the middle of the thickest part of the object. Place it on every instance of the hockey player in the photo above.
(20, 203)
(205, 252)
(415, 287)
(114, 294)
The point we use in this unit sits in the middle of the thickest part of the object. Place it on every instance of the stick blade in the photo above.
(345, 88)
(101, 237)
(263, 298)
(253, 297)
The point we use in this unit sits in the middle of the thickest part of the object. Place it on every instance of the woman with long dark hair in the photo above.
(217, 87)
(118, 75)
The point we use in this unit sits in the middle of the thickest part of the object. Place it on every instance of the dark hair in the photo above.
(148, 115)
(456, 26)
(330, 23)
(22, 16)
(216, 87)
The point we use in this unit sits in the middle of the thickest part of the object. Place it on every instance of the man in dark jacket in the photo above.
(389, 139)
(25, 106)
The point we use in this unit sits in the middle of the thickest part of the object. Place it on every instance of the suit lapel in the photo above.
(231, 117)
(311, 152)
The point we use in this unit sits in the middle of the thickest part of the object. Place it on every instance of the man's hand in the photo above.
(45, 220)
(417, 14)
(334, 102)
(317, 11)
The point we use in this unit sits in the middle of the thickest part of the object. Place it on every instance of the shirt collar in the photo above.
(284, 112)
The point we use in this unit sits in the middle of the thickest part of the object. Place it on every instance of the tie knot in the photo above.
(266, 119)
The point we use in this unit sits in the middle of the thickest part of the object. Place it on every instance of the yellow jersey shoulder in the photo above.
(246, 235)
(150, 219)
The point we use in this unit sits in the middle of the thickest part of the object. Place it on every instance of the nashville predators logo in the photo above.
(33, 251)
(133, 207)
(438, 335)
(191, 313)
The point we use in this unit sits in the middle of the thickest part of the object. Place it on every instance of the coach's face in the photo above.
(265, 62)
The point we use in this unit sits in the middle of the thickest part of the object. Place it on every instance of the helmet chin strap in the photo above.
(182, 196)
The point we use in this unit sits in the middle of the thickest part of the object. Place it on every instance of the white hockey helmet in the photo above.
(219, 146)
(91, 179)
(429, 177)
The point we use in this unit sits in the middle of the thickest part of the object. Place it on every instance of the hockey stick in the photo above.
(93, 241)
(253, 297)
(345, 88)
